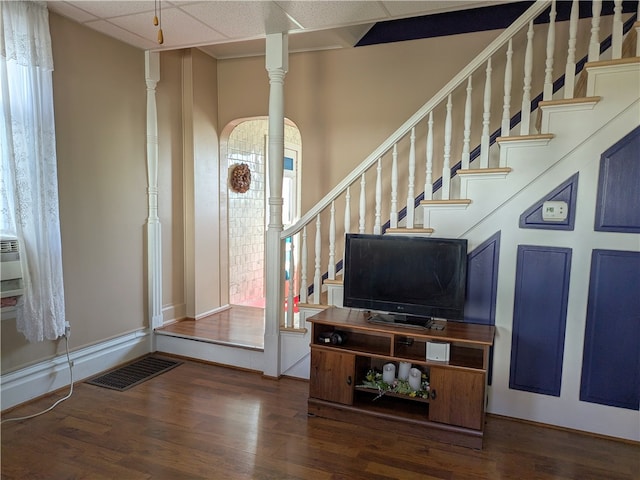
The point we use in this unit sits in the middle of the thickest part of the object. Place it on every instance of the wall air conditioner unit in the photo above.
(11, 286)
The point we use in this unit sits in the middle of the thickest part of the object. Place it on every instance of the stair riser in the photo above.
(571, 126)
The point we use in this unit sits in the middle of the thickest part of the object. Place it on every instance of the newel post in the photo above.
(153, 227)
(277, 51)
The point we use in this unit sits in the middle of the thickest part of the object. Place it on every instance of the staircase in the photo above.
(484, 151)
(460, 186)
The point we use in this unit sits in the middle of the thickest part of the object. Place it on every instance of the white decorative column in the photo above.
(277, 63)
(154, 231)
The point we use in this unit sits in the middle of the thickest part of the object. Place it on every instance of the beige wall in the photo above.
(208, 262)
(100, 110)
(346, 102)
(170, 182)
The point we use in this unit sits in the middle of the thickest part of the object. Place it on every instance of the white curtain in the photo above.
(28, 185)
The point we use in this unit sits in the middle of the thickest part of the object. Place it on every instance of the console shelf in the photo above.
(454, 411)
(377, 396)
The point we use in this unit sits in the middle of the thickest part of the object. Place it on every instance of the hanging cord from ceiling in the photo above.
(157, 19)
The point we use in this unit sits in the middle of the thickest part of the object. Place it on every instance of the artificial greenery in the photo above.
(373, 380)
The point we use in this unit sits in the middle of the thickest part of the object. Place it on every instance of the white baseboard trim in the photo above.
(213, 311)
(36, 380)
(173, 313)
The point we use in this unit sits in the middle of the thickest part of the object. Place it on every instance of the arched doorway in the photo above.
(247, 213)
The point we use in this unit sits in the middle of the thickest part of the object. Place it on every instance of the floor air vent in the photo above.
(130, 375)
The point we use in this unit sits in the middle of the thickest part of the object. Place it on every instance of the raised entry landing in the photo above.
(238, 326)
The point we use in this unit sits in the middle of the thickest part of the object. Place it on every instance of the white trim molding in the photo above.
(45, 377)
(153, 226)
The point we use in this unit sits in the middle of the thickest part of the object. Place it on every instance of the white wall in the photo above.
(556, 163)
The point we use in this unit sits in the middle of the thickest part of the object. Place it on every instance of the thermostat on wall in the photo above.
(554, 211)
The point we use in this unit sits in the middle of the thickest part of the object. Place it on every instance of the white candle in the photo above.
(415, 378)
(389, 373)
(403, 372)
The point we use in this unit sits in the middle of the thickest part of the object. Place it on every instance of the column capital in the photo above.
(277, 52)
(152, 66)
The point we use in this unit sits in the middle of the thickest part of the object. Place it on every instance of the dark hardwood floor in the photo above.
(241, 326)
(201, 421)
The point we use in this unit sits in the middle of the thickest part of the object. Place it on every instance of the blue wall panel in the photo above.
(482, 282)
(611, 360)
(482, 287)
(565, 192)
(539, 319)
(618, 205)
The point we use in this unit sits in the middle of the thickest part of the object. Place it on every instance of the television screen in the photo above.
(412, 278)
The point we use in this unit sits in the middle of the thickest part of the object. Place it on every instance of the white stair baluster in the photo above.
(505, 128)
(317, 276)
(547, 92)
(331, 271)
(570, 71)
(486, 119)
(377, 226)
(467, 128)
(347, 211)
(616, 31)
(525, 121)
(428, 183)
(446, 166)
(637, 26)
(347, 219)
(289, 318)
(594, 42)
(393, 213)
(412, 178)
(297, 242)
(303, 267)
(363, 205)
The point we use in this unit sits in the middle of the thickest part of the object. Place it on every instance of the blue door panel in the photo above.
(539, 319)
(611, 360)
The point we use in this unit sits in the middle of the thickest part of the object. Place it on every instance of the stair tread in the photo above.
(412, 230)
(464, 201)
(488, 171)
(608, 63)
(515, 138)
(569, 101)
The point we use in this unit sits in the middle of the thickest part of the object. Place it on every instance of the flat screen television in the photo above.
(405, 279)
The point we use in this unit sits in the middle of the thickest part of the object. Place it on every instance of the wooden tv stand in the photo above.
(455, 407)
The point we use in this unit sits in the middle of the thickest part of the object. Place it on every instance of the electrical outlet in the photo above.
(67, 329)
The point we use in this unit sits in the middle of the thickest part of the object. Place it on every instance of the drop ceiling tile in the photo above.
(408, 8)
(122, 35)
(316, 15)
(71, 11)
(108, 9)
(344, 37)
(229, 23)
(402, 8)
(179, 29)
(242, 19)
(249, 48)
